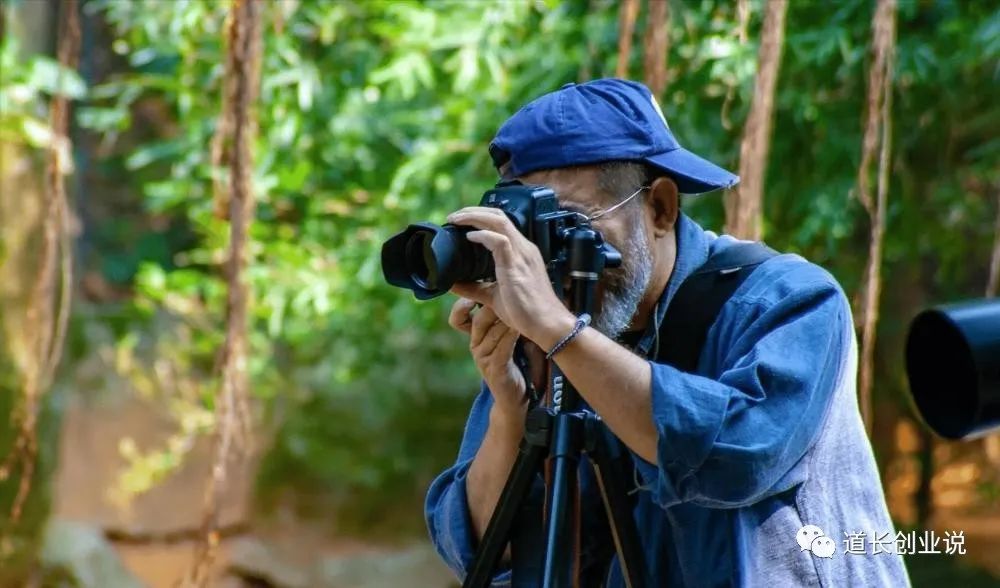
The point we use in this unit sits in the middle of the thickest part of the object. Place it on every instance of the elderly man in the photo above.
(751, 466)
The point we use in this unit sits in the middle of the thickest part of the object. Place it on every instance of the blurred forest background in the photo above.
(373, 114)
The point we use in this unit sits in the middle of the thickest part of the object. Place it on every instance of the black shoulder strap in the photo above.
(699, 299)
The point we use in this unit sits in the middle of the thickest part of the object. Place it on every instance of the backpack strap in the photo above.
(699, 299)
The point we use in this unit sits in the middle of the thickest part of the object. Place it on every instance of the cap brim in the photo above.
(692, 174)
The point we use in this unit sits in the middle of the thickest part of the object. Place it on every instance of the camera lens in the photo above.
(420, 261)
(429, 259)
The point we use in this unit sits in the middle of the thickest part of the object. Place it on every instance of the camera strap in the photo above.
(700, 298)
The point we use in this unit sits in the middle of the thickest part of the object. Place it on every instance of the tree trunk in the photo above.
(628, 10)
(744, 204)
(993, 282)
(924, 497)
(232, 420)
(48, 306)
(656, 45)
(878, 133)
(34, 309)
(991, 444)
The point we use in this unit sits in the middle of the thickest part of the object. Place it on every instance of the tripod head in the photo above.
(589, 256)
(577, 267)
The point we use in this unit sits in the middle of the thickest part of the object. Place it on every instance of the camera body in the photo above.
(429, 259)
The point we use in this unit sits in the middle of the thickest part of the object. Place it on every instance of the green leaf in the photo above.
(146, 155)
(50, 77)
(37, 133)
(103, 119)
(468, 69)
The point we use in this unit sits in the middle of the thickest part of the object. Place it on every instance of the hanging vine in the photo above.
(240, 90)
(49, 306)
(877, 136)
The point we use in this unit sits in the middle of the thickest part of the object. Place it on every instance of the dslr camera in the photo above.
(429, 259)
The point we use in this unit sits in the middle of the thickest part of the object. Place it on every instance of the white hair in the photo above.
(624, 292)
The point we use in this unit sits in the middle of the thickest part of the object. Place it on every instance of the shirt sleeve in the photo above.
(733, 440)
(447, 508)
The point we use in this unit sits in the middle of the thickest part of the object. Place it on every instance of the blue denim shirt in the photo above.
(763, 440)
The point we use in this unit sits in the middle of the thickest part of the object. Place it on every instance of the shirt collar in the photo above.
(692, 251)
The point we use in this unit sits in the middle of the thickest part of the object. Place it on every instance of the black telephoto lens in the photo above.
(953, 365)
(430, 259)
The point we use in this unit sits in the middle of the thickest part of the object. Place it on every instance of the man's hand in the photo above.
(492, 345)
(521, 296)
(614, 381)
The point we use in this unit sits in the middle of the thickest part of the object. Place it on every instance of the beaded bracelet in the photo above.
(581, 323)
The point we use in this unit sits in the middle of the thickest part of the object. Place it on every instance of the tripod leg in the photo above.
(561, 518)
(611, 465)
(497, 535)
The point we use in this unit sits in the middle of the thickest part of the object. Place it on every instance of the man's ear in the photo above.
(665, 204)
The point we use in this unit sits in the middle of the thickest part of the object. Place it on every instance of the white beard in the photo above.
(622, 296)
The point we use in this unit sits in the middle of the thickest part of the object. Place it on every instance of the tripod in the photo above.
(564, 432)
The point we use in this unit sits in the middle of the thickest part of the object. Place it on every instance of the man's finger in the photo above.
(481, 323)
(478, 211)
(498, 244)
(505, 347)
(491, 339)
(481, 292)
(460, 317)
(481, 217)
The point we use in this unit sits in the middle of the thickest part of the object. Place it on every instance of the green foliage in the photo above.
(28, 81)
(22, 541)
(376, 114)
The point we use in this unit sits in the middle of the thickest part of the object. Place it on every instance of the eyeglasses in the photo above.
(606, 212)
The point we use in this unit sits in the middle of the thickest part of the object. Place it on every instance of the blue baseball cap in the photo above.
(598, 121)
